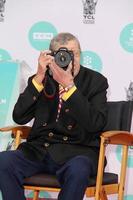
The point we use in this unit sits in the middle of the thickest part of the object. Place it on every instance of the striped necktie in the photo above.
(61, 92)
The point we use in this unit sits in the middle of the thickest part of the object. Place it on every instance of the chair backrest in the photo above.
(117, 131)
(119, 115)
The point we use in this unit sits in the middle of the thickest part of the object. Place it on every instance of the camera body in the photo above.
(63, 57)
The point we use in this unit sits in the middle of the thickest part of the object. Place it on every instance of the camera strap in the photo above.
(72, 68)
(49, 86)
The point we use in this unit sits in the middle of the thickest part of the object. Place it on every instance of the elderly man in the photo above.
(68, 104)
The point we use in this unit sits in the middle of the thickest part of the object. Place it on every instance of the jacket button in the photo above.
(65, 138)
(50, 134)
(46, 144)
(34, 98)
(45, 124)
(69, 127)
(67, 110)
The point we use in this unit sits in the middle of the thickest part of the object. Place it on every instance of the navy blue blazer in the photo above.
(81, 120)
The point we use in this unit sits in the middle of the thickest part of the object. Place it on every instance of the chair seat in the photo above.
(45, 180)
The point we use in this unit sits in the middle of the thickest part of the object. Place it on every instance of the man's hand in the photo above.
(63, 77)
(43, 61)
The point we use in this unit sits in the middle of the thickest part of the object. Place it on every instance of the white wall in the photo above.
(102, 37)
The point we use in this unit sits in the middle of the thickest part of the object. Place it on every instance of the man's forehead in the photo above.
(70, 45)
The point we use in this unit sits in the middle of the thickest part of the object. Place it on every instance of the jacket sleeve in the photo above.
(90, 110)
(25, 106)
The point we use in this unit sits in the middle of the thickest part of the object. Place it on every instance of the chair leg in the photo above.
(36, 194)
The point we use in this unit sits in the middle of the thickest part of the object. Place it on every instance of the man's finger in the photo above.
(54, 68)
(45, 52)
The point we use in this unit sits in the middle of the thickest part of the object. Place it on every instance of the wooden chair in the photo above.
(116, 132)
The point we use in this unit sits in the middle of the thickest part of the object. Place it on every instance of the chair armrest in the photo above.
(14, 129)
(117, 137)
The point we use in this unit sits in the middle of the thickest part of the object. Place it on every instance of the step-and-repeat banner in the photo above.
(9, 90)
(105, 31)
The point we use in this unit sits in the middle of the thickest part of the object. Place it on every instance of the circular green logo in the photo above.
(130, 155)
(4, 55)
(41, 34)
(91, 60)
(126, 38)
(128, 197)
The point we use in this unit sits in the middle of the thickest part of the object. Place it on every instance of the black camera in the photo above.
(63, 57)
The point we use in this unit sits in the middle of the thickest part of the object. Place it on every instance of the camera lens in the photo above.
(63, 57)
